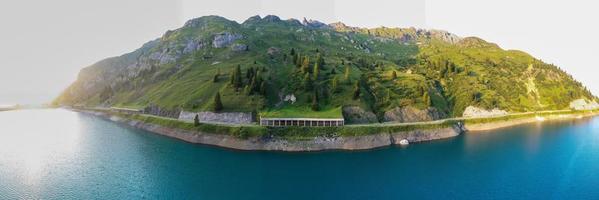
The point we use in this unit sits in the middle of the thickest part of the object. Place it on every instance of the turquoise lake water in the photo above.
(59, 154)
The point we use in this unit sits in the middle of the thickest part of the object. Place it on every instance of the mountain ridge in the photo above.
(393, 71)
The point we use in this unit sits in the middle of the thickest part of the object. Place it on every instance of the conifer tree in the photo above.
(319, 59)
(347, 75)
(307, 82)
(196, 120)
(252, 87)
(237, 77)
(335, 85)
(393, 75)
(232, 78)
(315, 102)
(316, 71)
(218, 105)
(298, 60)
(306, 65)
(263, 88)
(357, 90)
(292, 52)
(426, 99)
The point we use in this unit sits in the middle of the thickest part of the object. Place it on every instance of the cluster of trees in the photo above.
(254, 84)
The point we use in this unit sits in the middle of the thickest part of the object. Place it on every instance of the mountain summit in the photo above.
(372, 75)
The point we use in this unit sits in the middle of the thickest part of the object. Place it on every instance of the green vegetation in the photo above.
(302, 112)
(325, 69)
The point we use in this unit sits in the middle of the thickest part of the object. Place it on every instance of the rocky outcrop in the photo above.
(444, 36)
(411, 114)
(314, 24)
(273, 51)
(227, 117)
(427, 134)
(582, 104)
(239, 47)
(225, 39)
(472, 111)
(357, 115)
(162, 112)
(193, 45)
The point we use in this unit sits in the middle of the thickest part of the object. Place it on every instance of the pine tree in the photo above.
(316, 71)
(306, 65)
(319, 59)
(263, 88)
(357, 90)
(196, 120)
(426, 99)
(333, 71)
(335, 85)
(215, 79)
(218, 105)
(347, 78)
(393, 75)
(298, 60)
(315, 102)
(248, 74)
(238, 82)
(292, 52)
(232, 78)
(307, 82)
(252, 87)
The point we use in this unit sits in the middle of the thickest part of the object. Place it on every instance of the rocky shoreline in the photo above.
(275, 144)
(322, 143)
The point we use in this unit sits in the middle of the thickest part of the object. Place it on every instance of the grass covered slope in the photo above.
(259, 65)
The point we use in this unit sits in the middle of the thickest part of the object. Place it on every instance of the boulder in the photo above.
(239, 47)
(357, 115)
(273, 51)
(404, 142)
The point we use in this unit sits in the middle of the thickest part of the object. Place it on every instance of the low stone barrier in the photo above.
(226, 117)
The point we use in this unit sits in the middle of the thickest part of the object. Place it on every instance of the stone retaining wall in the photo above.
(228, 117)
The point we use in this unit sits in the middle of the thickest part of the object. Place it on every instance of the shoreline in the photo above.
(480, 127)
(324, 143)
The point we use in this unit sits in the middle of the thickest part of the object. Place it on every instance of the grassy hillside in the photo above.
(256, 64)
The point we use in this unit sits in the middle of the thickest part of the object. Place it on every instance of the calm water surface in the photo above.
(59, 154)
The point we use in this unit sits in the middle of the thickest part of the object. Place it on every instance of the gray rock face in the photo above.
(357, 115)
(162, 112)
(239, 47)
(229, 117)
(445, 36)
(411, 114)
(225, 39)
(193, 45)
(314, 24)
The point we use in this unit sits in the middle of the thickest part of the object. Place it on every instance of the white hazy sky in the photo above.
(43, 44)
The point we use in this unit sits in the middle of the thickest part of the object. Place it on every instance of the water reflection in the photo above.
(31, 142)
(57, 154)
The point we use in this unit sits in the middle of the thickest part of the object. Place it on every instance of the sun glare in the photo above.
(31, 142)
